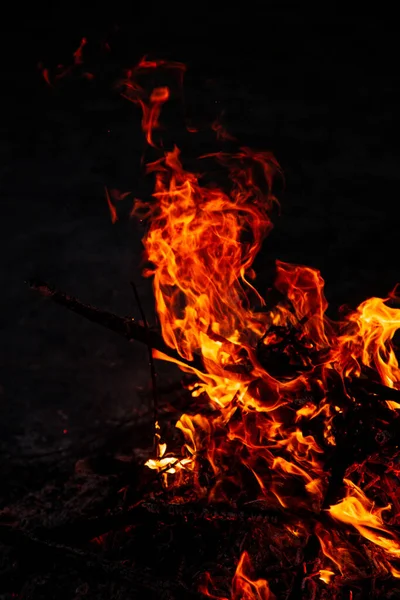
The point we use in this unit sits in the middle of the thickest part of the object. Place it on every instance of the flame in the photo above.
(326, 575)
(201, 260)
(243, 586)
(357, 510)
(201, 244)
(370, 343)
(63, 71)
(78, 59)
(221, 132)
(111, 206)
(152, 103)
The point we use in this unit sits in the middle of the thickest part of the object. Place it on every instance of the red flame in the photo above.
(221, 132)
(63, 71)
(152, 103)
(113, 212)
(78, 52)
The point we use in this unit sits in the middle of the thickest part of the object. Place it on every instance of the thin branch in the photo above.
(128, 328)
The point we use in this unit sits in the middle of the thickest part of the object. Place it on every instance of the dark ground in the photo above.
(321, 94)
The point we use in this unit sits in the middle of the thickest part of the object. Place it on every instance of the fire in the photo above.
(243, 586)
(64, 71)
(357, 510)
(152, 103)
(258, 436)
(326, 575)
(370, 343)
(202, 262)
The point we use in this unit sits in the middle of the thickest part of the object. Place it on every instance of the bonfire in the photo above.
(280, 476)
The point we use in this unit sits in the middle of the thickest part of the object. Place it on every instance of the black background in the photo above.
(319, 90)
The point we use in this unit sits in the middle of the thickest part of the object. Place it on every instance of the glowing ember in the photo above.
(267, 436)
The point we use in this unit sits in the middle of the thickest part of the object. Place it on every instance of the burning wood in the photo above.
(298, 415)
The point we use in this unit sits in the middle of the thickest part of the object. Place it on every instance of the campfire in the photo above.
(274, 471)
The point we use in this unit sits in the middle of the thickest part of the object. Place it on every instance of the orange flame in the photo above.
(357, 510)
(201, 260)
(201, 242)
(243, 586)
(370, 343)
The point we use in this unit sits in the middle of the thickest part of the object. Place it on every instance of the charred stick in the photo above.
(124, 326)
